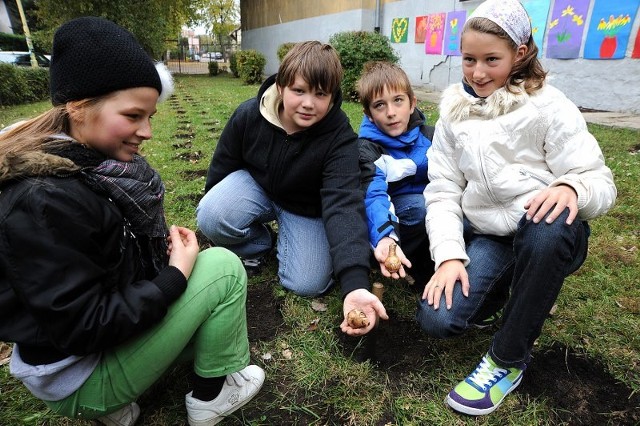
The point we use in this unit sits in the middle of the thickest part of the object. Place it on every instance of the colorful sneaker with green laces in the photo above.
(484, 389)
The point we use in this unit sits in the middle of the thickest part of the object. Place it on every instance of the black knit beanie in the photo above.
(94, 56)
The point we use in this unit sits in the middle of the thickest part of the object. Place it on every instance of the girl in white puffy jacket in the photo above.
(514, 166)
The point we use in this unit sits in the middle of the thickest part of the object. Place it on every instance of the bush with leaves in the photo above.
(20, 85)
(233, 64)
(214, 68)
(355, 49)
(250, 65)
(283, 49)
(12, 42)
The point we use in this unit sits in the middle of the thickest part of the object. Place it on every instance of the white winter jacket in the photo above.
(489, 156)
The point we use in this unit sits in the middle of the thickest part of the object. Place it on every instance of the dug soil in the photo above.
(578, 387)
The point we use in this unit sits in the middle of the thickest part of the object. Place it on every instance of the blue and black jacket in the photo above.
(391, 166)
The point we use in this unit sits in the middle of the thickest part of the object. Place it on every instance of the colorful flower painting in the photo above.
(455, 22)
(421, 28)
(399, 30)
(636, 47)
(566, 27)
(435, 34)
(610, 28)
(538, 11)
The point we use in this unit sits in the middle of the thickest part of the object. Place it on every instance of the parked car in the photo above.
(23, 58)
(211, 56)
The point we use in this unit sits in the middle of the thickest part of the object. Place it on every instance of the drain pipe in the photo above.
(376, 28)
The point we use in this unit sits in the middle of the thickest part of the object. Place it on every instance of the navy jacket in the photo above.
(312, 173)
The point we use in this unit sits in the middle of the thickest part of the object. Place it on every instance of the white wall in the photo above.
(610, 85)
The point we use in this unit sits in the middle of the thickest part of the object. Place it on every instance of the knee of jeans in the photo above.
(542, 237)
(207, 220)
(436, 323)
(307, 288)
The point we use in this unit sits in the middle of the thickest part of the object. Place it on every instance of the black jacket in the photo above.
(71, 277)
(313, 173)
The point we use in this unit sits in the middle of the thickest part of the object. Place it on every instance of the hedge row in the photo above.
(19, 85)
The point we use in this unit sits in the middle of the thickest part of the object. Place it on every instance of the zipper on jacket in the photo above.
(534, 176)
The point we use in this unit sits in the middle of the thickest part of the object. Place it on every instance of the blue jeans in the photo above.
(235, 213)
(532, 266)
(411, 211)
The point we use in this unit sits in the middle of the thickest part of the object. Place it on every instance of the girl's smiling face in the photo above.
(116, 125)
(487, 61)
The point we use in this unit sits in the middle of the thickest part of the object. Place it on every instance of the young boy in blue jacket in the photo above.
(393, 144)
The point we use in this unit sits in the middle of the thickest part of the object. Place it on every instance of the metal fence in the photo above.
(195, 59)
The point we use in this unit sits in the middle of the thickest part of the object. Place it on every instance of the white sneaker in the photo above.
(238, 389)
(126, 416)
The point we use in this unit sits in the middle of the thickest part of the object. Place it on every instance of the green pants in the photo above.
(208, 323)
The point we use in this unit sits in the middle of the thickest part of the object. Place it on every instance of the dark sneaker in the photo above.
(489, 321)
(484, 389)
(253, 266)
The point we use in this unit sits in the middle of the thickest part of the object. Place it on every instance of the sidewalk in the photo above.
(605, 118)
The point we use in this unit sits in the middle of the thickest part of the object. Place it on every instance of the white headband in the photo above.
(508, 15)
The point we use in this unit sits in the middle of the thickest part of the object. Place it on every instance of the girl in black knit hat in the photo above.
(98, 296)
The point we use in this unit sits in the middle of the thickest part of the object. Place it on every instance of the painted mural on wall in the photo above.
(636, 47)
(610, 28)
(435, 33)
(538, 11)
(421, 28)
(453, 28)
(562, 25)
(399, 30)
(566, 27)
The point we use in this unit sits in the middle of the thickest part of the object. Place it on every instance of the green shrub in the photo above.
(250, 65)
(355, 49)
(214, 69)
(13, 42)
(19, 85)
(233, 64)
(283, 49)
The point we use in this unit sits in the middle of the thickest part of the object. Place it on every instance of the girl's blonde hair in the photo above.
(317, 63)
(527, 71)
(35, 135)
(376, 75)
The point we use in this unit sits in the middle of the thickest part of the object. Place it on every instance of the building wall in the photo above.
(609, 85)
(5, 22)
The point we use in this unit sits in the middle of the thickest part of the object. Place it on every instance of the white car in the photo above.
(211, 56)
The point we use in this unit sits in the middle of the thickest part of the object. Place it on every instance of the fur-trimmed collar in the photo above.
(458, 105)
(69, 157)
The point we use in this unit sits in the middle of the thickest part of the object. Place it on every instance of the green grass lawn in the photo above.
(313, 373)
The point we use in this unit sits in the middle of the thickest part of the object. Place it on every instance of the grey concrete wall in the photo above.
(268, 39)
(610, 85)
(5, 22)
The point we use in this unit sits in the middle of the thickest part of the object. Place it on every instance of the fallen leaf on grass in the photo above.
(287, 353)
(5, 353)
(313, 325)
(318, 306)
